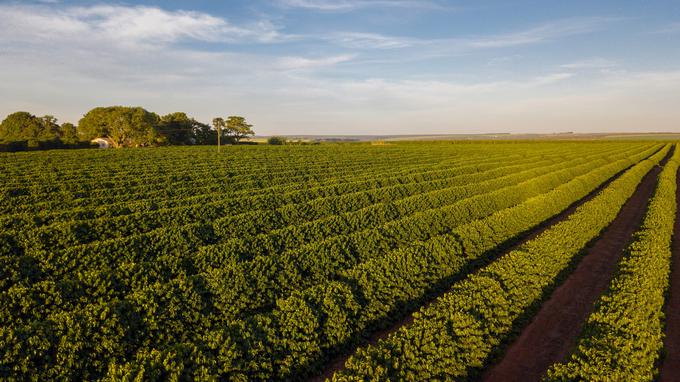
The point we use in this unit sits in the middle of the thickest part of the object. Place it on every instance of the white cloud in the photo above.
(360, 40)
(350, 5)
(591, 63)
(546, 32)
(297, 62)
(125, 25)
(65, 60)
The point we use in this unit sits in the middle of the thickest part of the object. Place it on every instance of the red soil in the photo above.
(551, 335)
(670, 367)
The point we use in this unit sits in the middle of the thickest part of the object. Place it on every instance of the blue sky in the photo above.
(352, 66)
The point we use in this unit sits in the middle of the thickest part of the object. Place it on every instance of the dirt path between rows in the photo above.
(552, 333)
(338, 363)
(670, 366)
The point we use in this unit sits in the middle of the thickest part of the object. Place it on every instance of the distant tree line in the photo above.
(120, 126)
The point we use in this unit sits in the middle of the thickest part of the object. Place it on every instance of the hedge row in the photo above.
(623, 337)
(278, 273)
(454, 337)
(264, 208)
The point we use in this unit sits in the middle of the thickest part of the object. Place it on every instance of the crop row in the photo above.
(351, 196)
(107, 191)
(278, 273)
(206, 190)
(268, 293)
(370, 240)
(126, 166)
(265, 213)
(174, 186)
(623, 337)
(174, 328)
(254, 186)
(454, 337)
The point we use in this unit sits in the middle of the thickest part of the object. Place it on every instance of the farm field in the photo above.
(495, 261)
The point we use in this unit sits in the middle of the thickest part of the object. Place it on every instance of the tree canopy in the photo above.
(24, 126)
(124, 126)
(234, 128)
(237, 128)
(179, 129)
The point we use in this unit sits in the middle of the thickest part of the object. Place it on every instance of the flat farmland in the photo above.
(497, 261)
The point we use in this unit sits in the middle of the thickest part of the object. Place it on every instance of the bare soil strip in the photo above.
(338, 363)
(552, 333)
(670, 366)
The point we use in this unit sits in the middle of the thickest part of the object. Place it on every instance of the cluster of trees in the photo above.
(121, 126)
(23, 128)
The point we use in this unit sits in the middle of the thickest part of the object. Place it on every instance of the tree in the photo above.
(124, 126)
(237, 129)
(203, 133)
(24, 126)
(277, 140)
(68, 133)
(177, 128)
(50, 129)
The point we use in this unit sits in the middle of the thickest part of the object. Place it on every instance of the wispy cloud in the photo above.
(125, 25)
(351, 5)
(545, 32)
(360, 40)
(297, 62)
(591, 63)
(64, 59)
(428, 48)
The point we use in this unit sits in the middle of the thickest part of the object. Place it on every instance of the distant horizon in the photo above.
(351, 67)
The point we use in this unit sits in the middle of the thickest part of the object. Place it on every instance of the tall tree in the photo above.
(24, 126)
(237, 129)
(124, 126)
(203, 133)
(177, 128)
(68, 133)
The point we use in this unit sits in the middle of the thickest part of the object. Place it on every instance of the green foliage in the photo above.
(68, 133)
(236, 128)
(23, 126)
(177, 128)
(277, 140)
(264, 262)
(623, 336)
(479, 313)
(123, 126)
(233, 129)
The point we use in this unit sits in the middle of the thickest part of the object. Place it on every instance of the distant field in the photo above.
(402, 261)
(486, 137)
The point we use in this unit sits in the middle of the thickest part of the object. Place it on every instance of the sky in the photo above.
(352, 66)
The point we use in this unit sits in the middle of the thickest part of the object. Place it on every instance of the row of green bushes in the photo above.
(152, 306)
(623, 337)
(454, 337)
(254, 213)
(301, 260)
(142, 175)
